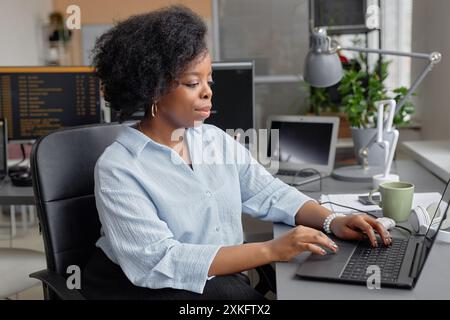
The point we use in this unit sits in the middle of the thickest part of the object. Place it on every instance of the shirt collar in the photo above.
(135, 141)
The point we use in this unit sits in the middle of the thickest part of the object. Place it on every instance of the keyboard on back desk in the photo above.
(301, 174)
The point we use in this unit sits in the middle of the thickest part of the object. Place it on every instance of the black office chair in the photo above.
(62, 165)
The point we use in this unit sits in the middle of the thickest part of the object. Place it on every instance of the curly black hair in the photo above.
(140, 59)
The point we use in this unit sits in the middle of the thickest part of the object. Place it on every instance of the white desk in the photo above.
(433, 155)
(434, 282)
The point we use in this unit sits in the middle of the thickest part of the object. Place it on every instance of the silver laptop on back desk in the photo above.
(305, 149)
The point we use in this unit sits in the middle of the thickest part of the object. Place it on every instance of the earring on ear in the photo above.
(154, 109)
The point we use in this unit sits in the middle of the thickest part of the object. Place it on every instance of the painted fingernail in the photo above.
(323, 252)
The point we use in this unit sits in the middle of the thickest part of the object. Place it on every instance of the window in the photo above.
(396, 24)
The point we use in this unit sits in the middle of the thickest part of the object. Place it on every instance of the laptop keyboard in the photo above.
(388, 259)
(301, 174)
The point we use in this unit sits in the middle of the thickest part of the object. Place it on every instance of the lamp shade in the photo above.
(322, 69)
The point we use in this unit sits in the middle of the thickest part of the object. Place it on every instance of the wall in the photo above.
(22, 31)
(276, 37)
(103, 12)
(107, 11)
(430, 32)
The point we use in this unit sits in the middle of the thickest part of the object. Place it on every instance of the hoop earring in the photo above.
(154, 109)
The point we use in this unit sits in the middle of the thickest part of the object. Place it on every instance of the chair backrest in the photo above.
(62, 165)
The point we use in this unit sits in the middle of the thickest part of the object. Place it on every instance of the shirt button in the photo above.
(208, 194)
(217, 229)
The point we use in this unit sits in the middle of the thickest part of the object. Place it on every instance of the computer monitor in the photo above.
(233, 97)
(3, 149)
(38, 100)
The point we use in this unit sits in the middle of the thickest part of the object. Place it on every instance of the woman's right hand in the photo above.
(298, 240)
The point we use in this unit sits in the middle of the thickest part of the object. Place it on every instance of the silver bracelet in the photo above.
(329, 220)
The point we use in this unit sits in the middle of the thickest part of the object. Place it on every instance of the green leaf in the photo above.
(360, 90)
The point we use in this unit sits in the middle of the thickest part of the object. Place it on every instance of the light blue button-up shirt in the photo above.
(164, 222)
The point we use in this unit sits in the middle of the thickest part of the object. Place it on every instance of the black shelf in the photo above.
(339, 17)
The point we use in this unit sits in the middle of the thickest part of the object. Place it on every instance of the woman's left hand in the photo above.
(358, 227)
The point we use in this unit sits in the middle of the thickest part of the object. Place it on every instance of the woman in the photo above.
(171, 218)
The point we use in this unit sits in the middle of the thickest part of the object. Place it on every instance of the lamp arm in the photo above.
(433, 58)
(414, 86)
(426, 56)
(391, 154)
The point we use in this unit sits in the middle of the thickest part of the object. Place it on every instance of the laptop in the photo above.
(400, 264)
(3, 149)
(305, 149)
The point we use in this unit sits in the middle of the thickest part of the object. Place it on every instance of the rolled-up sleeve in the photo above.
(145, 247)
(264, 196)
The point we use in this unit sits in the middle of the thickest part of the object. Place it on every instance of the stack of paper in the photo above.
(351, 200)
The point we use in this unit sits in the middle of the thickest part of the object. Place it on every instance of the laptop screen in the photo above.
(303, 142)
(441, 210)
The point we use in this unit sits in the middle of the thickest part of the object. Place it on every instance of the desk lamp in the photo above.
(324, 69)
(387, 138)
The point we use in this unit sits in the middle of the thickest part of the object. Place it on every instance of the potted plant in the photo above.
(360, 89)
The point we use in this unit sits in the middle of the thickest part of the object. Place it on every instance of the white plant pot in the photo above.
(361, 138)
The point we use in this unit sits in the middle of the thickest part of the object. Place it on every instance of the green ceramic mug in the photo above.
(396, 199)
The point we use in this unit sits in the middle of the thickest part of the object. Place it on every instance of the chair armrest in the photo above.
(266, 273)
(58, 284)
(266, 279)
